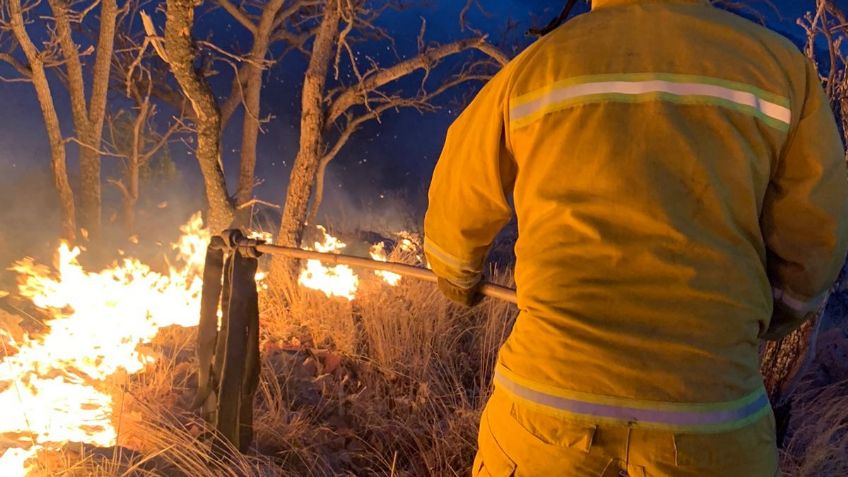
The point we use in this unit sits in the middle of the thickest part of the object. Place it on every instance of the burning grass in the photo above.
(58, 385)
(388, 383)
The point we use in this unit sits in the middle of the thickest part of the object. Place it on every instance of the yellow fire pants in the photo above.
(518, 441)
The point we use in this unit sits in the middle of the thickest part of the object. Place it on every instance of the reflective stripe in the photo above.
(685, 89)
(709, 417)
(800, 306)
(466, 273)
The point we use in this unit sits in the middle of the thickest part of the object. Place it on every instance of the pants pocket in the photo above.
(555, 431)
(550, 445)
(747, 452)
(491, 460)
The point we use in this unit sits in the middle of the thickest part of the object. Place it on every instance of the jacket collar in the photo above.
(612, 3)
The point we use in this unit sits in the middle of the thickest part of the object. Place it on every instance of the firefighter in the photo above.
(680, 191)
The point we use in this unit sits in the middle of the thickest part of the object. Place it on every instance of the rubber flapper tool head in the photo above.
(228, 347)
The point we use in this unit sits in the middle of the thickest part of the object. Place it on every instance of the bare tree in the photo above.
(262, 28)
(88, 111)
(133, 136)
(88, 115)
(34, 71)
(311, 127)
(134, 139)
(330, 116)
(267, 23)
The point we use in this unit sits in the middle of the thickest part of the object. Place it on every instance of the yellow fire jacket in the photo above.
(676, 171)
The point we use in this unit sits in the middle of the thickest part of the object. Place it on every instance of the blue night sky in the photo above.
(382, 161)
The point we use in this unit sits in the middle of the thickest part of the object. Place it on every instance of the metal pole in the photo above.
(488, 289)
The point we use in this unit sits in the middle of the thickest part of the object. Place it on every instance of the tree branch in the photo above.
(493, 52)
(121, 187)
(238, 14)
(163, 140)
(380, 77)
(97, 150)
(20, 67)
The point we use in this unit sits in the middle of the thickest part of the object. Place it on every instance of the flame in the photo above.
(54, 387)
(378, 252)
(266, 237)
(338, 280)
(14, 461)
(57, 386)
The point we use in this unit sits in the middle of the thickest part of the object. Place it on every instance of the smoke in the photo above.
(30, 218)
(352, 207)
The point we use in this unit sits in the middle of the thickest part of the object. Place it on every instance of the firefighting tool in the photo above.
(228, 350)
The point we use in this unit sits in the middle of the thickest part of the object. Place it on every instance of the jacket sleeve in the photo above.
(805, 212)
(468, 193)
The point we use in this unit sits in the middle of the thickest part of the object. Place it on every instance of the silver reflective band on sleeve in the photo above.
(795, 304)
(465, 275)
(701, 417)
(684, 89)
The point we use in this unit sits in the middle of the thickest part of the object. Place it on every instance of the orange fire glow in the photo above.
(53, 386)
(378, 253)
(57, 386)
(339, 280)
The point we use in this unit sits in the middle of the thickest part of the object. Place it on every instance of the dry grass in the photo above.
(818, 444)
(390, 384)
(395, 385)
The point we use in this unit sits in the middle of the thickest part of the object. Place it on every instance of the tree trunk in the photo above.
(129, 215)
(302, 179)
(51, 121)
(782, 364)
(249, 137)
(58, 162)
(88, 120)
(783, 360)
(89, 190)
(180, 52)
(130, 196)
(129, 187)
(252, 106)
(128, 207)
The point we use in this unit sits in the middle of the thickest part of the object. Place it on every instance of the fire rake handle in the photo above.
(489, 289)
(228, 346)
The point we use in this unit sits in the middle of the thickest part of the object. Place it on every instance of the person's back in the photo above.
(645, 136)
(675, 169)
